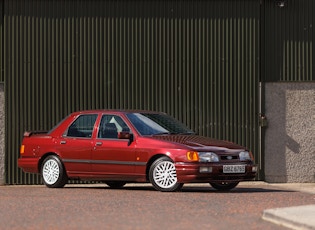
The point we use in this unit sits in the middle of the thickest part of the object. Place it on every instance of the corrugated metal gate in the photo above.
(196, 60)
(289, 41)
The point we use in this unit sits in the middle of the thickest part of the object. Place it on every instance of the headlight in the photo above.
(245, 156)
(208, 157)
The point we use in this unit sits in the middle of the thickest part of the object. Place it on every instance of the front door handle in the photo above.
(63, 142)
(98, 143)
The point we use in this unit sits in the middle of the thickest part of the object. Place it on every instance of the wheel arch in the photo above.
(40, 162)
(150, 162)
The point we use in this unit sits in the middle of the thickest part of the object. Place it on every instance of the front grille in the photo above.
(229, 157)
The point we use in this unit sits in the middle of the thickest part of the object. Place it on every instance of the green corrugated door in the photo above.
(289, 41)
(196, 60)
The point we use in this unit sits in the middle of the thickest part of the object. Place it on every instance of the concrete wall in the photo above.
(2, 133)
(290, 135)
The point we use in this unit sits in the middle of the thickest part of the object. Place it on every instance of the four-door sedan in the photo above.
(118, 147)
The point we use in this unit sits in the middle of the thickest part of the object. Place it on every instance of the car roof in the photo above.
(121, 111)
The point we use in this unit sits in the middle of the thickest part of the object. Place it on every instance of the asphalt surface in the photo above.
(251, 205)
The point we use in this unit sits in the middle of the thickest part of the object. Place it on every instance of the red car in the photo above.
(118, 147)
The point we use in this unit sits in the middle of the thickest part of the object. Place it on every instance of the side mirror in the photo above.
(124, 135)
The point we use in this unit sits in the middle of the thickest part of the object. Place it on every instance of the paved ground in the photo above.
(139, 206)
(296, 217)
(300, 187)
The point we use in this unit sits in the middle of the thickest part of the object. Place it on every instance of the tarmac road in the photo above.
(139, 206)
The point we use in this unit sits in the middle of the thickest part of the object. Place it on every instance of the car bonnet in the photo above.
(200, 143)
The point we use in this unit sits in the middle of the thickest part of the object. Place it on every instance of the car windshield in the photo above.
(157, 124)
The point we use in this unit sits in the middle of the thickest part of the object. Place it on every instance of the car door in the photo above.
(75, 146)
(113, 157)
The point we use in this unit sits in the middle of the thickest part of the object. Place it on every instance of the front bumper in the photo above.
(190, 173)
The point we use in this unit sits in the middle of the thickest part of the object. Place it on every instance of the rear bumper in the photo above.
(28, 164)
(190, 173)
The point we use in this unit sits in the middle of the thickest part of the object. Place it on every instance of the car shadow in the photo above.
(189, 188)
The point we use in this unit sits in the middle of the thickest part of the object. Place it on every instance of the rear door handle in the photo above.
(63, 142)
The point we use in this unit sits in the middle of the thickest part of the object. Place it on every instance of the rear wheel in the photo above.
(53, 172)
(224, 186)
(163, 176)
(115, 184)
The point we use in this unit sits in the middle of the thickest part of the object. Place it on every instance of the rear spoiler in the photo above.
(30, 133)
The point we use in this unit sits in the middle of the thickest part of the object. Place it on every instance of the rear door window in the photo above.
(82, 127)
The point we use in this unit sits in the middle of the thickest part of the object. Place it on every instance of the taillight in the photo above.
(22, 149)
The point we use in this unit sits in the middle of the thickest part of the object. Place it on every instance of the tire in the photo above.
(115, 184)
(224, 186)
(53, 172)
(162, 175)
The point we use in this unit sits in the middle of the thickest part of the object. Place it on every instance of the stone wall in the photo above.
(290, 135)
(2, 134)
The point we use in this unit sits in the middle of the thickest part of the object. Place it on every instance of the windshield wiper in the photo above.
(162, 133)
(186, 133)
(173, 133)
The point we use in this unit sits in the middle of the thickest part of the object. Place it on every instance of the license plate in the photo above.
(233, 168)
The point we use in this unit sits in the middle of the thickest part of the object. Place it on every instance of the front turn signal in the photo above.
(192, 156)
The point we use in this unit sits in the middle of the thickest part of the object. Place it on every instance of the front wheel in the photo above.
(53, 172)
(163, 176)
(224, 186)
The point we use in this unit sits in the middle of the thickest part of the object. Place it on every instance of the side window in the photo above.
(82, 126)
(111, 125)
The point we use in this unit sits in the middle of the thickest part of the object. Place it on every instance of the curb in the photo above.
(298, 217)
